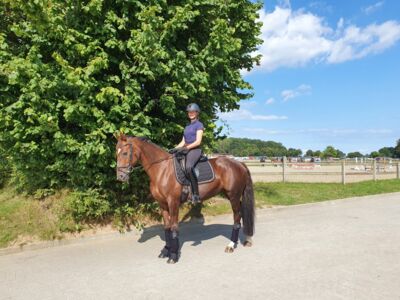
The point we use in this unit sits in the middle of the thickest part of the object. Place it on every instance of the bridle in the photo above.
(129, 168)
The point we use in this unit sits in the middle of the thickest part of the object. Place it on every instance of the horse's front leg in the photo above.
(173, 205)
(165, 252)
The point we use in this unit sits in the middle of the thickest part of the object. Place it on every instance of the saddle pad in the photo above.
(203, 170)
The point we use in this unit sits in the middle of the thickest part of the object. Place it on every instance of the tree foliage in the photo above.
(250, 147)
(332, 152)
(354, 154)
(397, 149)
(72, 73)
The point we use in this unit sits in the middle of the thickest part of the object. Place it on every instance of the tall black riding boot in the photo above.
(195, 188)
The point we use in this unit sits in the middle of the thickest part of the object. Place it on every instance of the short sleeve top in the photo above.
(189, 134)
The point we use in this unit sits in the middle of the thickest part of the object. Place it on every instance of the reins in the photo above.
(156, 162)
(130, 168)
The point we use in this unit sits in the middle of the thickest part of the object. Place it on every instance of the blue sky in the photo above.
(330, 75)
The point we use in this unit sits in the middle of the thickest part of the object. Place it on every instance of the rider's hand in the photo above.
(172, 151)
(177, 150)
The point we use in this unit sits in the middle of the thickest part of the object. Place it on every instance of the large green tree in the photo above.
(73, 72)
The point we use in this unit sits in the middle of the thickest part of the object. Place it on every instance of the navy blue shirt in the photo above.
(189, 134)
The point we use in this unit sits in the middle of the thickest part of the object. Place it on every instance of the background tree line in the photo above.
(254, 147)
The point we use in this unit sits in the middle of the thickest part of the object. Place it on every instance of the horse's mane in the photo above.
(147, 140)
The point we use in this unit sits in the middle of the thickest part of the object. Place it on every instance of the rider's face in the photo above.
(192, 114)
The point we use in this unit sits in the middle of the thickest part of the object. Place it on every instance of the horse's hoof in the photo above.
(229, 249)
(164, 253)
(172, 259)
(247, 244)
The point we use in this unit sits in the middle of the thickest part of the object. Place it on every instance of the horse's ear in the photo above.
(116, 135)
(119, 135)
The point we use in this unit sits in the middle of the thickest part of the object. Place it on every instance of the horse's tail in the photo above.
(248, 206)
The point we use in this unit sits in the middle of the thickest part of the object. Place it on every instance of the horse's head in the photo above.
(127, 156)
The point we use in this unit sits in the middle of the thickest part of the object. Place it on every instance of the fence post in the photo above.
(398, 170)
(374, 169)
(343, 172)
(284, 169)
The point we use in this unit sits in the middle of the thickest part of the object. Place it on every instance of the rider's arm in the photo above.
(181, 144)
(197, 142)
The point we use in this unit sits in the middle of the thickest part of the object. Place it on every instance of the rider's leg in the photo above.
(192, 158)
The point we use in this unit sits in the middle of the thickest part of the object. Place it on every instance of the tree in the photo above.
(340, 154)
(397, 149)
(329, 151)
(309, 153)
(294, 152)
(72, 73)
(354, 154)
(318, 153)
(374, 154)
(249, 147)
(387, 152)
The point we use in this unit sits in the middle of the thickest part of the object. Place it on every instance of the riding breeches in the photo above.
(192, 157)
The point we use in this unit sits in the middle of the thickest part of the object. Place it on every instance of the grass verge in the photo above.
(28, 219)
(24, 219)
(277, 193)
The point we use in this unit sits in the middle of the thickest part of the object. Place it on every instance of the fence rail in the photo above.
(336, 171)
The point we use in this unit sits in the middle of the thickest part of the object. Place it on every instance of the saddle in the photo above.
(203, 170)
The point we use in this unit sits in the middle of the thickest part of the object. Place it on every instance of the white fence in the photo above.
(343, 171)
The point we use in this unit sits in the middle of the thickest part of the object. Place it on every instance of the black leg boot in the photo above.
(174, 251)
(165, 252)
(195, 188)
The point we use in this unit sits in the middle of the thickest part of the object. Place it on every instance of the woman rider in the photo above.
(191, 141)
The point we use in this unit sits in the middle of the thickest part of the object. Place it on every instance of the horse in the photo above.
(232, 178)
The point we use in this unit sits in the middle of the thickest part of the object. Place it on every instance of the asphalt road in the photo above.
(345, 249)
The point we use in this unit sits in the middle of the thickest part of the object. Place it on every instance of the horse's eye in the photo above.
(125, 153)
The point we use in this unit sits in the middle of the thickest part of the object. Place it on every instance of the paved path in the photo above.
(345, 249)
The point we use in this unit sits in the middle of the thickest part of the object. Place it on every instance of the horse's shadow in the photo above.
(194, 231)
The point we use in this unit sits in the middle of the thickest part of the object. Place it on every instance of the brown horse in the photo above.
(231, 177)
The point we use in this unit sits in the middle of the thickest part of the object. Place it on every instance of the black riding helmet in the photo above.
(193, 107)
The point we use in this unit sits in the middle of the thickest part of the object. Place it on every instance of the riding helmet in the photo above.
(193, 107)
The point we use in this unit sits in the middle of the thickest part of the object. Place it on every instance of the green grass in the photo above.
(299, 193)
(22, 218)
(270, 194)
(45, 219)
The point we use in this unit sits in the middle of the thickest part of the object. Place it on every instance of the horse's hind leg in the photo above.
(235, 203)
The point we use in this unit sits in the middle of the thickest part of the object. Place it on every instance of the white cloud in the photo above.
(270, 101)
(372, 8)
(244, 114)
(357, 42)
(322, 6)
(299, 91)
(284, 3)
(296, 38)
(248, 103)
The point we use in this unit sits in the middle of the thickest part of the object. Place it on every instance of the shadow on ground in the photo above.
(191, 230)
